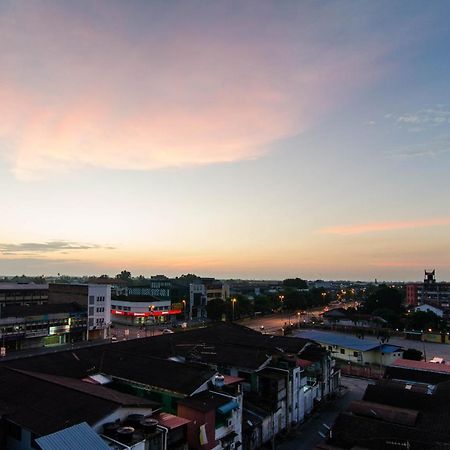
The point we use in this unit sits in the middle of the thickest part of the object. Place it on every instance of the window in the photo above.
(91, 322)
(342, 351)
(355, 354)
(91, 299)
(91, 310)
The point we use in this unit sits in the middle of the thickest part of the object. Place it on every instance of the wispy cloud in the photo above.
(41, 248)
(207, 86)
(376, 227)
(422, 119)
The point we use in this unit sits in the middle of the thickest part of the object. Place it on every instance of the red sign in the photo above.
(146, 314)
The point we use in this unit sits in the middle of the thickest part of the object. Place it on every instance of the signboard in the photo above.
(158, 289)
(59, 329)
(146, 314)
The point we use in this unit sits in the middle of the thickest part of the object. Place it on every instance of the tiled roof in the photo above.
(422, 365)
(170, 421)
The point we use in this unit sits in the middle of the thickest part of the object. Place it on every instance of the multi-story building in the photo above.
(96, 298)
(145, 305)
(430, 292)
(21, 293)
(201, 293)
(37, 326)
(411, 294)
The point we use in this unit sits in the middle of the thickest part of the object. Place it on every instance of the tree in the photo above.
(215, 309)
(264, 304)
(412, 353)
(189, 278)
(124, 275)
(297, 283)
(423, 320)
(384, 298)
(296, 300)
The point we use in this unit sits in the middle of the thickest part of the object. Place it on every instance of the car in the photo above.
(113, 338)
(167, 331)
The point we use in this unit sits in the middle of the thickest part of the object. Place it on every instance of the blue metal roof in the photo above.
(78, 437)
(387, 348)
(343, 340)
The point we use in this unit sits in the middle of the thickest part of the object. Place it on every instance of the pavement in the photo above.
(313, 431)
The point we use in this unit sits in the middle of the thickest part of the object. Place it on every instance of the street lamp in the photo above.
(233, 302)
(151, 308)
(298, 319)
(184, 309)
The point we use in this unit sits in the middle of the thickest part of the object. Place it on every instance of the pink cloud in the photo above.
(376, 227)
(77, 91)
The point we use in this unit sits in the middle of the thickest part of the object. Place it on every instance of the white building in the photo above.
(430, 308)
(99, 310)
(201, 293)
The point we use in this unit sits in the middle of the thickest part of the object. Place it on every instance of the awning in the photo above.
(224, 409)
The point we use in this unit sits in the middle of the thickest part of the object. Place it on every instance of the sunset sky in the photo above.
(245, 139)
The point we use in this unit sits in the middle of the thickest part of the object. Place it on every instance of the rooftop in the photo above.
(345, 341)
(23, 403)
(422, 365)
(73, 438)
(22, 287)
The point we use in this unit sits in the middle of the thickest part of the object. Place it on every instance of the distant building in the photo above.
(201, 293)
(430, 292)
(341, 317)
(411, 294)
(37, 326)
(96, 298)
(21, 294)
(145, 305)
(430, 308)
(354, 350)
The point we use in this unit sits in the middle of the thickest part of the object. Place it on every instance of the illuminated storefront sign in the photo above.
(146, 314)
(59, 329)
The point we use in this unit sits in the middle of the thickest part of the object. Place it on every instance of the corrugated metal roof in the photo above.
(341, 340)
(387, 348)
(78, 437)
(421, 365)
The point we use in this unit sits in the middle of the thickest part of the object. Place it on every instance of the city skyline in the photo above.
(235, 139)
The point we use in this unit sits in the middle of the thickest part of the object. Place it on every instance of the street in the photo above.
(272, 324)
(308, 435)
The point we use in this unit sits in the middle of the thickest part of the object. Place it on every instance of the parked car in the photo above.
(167, 331)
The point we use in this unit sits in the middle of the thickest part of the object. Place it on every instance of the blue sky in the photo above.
(234, 139)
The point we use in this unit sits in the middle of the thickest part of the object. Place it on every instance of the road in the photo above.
(308, 435)
(273, 324)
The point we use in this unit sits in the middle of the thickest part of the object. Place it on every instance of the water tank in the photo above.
(149, 425)
(125, 434)
(219, 380)
(110, 429)
(134, 420)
